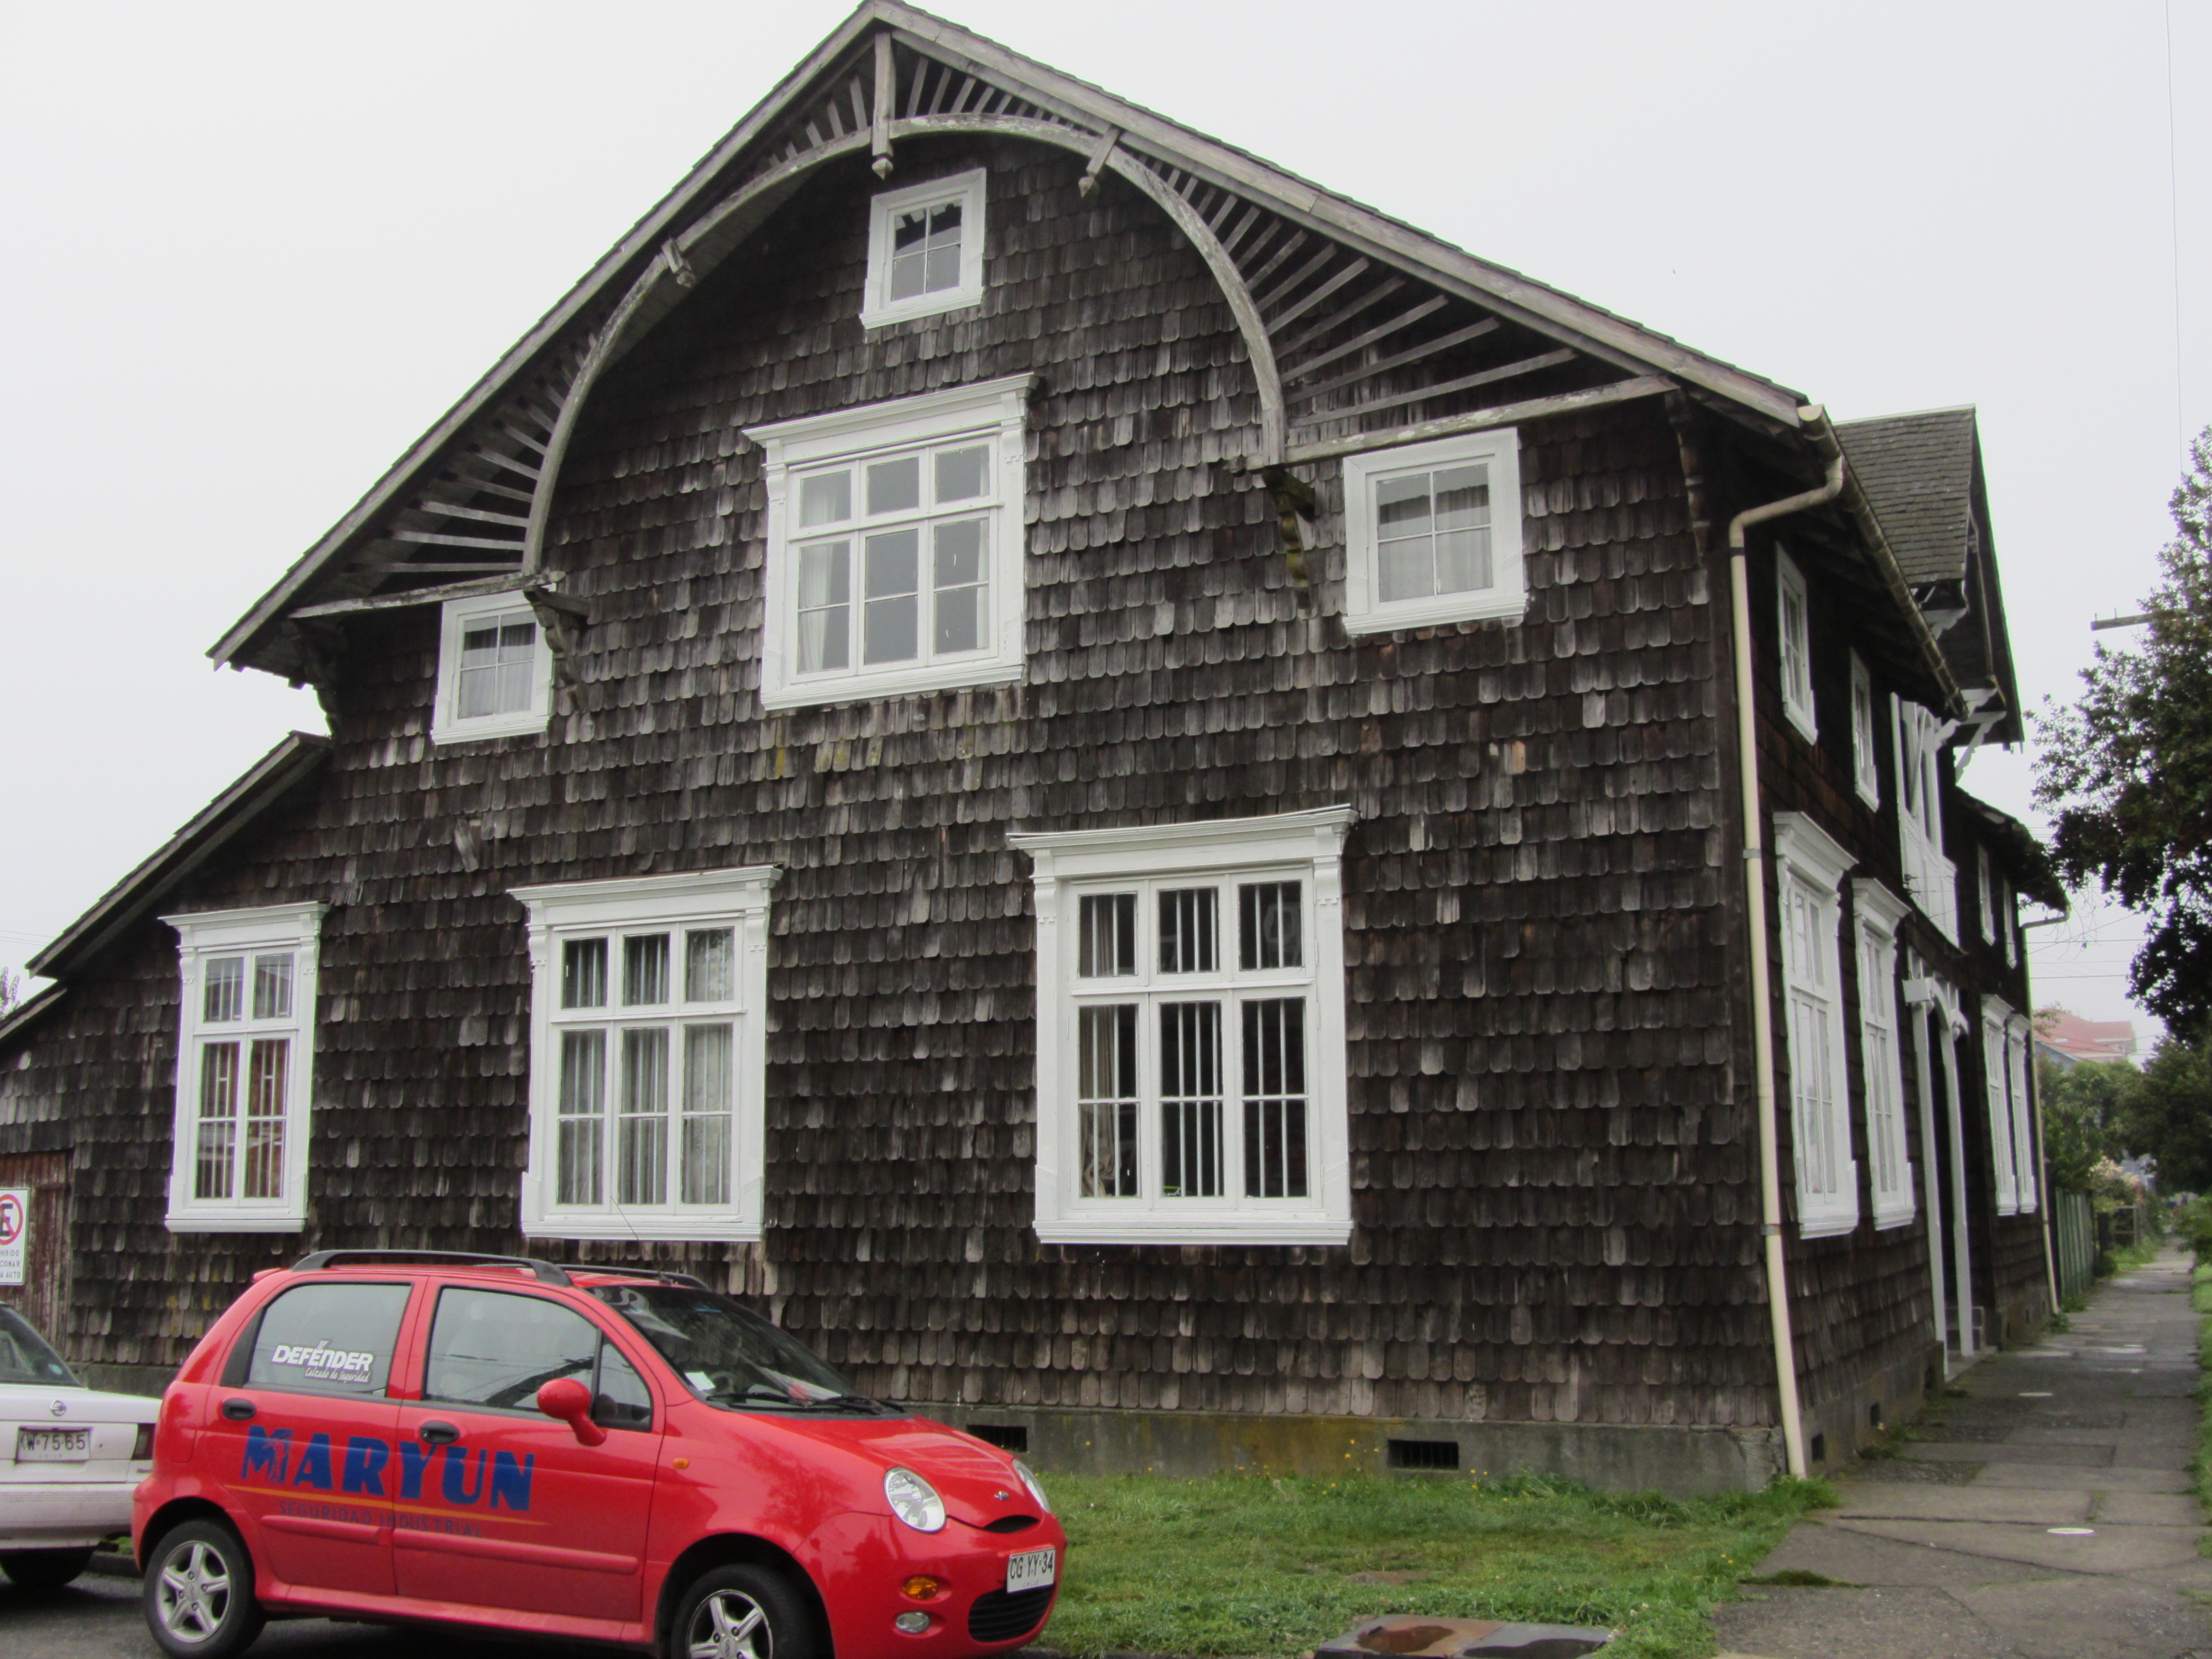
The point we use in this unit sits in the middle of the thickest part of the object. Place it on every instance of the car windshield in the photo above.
(25, 1357)
(730, 1355)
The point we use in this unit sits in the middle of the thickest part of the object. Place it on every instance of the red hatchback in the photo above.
(615, 1456)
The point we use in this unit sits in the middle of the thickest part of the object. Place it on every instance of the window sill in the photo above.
(1227, 1230)
(1808, 728)
(914, 311)
(647, 1229)
(1870, 794)
(1436, 613)
(489, 728)
(218, 1221)
(817, 694)
(1885, 1220)
(1827, 1226)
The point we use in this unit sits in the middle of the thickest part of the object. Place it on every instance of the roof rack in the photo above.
(666, 1275)
(545, 1272)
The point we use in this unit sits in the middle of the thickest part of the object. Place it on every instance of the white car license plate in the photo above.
(1031, 1570)
(61, 1446)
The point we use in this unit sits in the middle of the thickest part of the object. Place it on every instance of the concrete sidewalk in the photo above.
(2049, 1514)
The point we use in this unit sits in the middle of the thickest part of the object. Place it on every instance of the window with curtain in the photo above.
(1432, 533)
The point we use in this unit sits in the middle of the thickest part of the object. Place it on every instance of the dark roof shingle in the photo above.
(1919, 471)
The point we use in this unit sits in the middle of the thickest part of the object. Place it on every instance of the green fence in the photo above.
(2074, 1228)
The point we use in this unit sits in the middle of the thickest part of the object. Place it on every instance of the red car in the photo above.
(615, 1456)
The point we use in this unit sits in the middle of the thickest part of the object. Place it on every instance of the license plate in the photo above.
(62, 1446)
(1031, 1570)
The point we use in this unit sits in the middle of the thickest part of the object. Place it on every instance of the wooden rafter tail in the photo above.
(1420, 353)
(480, 484)
(1482, 420)
(1317, 295)
(483, 514)
(1445, 388)
(447, 539)
(1298, 279)
(1336, 319)
(1088, 184)
(1298, 240)
(1404, 319)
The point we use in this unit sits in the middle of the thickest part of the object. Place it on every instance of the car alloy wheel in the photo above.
(199, 1592)
(731, 1625)
(742, 1611)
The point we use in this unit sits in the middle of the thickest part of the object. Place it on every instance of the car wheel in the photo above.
(741, 1613)
(199, 1592)
(43, 1570)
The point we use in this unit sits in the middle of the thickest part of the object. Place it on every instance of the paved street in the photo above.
(2048, 1515)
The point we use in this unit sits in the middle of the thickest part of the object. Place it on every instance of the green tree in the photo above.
(2086, 1111)
(2169, 1114)
(11, 988)
(2126, 773)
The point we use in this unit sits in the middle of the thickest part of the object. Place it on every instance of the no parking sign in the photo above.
(14, 1233)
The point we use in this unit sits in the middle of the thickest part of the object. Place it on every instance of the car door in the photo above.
(301, 1432)
(502, 1506)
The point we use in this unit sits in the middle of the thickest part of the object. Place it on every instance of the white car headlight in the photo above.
(1036, 1489)
(913, 1500)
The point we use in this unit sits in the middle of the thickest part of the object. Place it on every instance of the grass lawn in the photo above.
(1250, 1565)
(2200, 1298)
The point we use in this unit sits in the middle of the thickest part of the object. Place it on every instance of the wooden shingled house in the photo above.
(1180, 822)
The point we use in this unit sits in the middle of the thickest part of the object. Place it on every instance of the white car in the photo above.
(70, 1458)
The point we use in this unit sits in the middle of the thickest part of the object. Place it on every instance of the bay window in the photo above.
(647, 1057)
(1190, 1032)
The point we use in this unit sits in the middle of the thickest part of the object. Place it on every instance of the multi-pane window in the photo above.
(2023, 1113)
(1930, 880)
(1985, 891)
(1880, 1051)
(1432, 533)
(925, 250)
(1191, 1032)
(1810, 867)
(1794, 623)
(494, 671)
(1866, 770)
(645, 1058)
(1995, 1078)
(245, 1053)
(894, 558)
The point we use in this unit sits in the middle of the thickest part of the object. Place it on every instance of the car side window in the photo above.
(619, 1401)
(327, 1338)
(491, 1348)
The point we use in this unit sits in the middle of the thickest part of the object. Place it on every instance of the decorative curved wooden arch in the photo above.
(725, 228)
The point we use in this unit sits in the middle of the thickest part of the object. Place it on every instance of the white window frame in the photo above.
(1865, 766)
(1995, 1017)
(1506, 598)
(203, 937)
(1304, 846)
(1794, 663)
(447, 725)
(970, 190)
(1809, 872)
(2025, 1162)
(1985, 891)
(734, 898)
(2008, 921)
(1881, 1056)
(1931, 880)
(993, 411)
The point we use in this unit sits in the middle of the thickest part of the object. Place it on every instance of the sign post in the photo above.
(14, 1233)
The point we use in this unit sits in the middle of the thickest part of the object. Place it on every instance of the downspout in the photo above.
(1755, 885)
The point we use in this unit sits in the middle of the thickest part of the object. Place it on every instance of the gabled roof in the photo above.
(264, 784)
(1919, 471)
(459, 494)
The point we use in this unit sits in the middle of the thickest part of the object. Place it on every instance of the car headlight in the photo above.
(913, 1500)
(1030, 1479)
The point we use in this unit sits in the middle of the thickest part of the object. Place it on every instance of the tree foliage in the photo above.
(2168, 1114)
(11, 988)
(2126, 773)
(2087, 1111)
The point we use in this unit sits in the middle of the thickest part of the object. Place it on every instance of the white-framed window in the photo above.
(648, 1056)
(1866, 770)
(1995, 1078)
(1931, 881)
(2008, 922)
(245, 1053)
(1810, 870)
(1794, 632)
(895, 547)
(495, 671)
(1881, 1059)
(1985, 893)
(1432, 533)
(2023, 1113)
(925, 249)
(1191, 1082)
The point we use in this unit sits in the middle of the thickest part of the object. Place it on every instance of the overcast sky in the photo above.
(252, 252)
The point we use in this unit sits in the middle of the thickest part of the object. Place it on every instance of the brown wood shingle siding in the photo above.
(1554, 1189)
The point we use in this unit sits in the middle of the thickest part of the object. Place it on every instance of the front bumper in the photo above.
(864, 1559)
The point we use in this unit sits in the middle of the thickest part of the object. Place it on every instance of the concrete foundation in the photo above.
(1680, 1462)
(1838, 1429)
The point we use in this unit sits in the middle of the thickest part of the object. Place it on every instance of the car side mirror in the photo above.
(566, 1398)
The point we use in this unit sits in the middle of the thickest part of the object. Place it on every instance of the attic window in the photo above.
(1432, 534)
(925, 250)
(494, 672)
